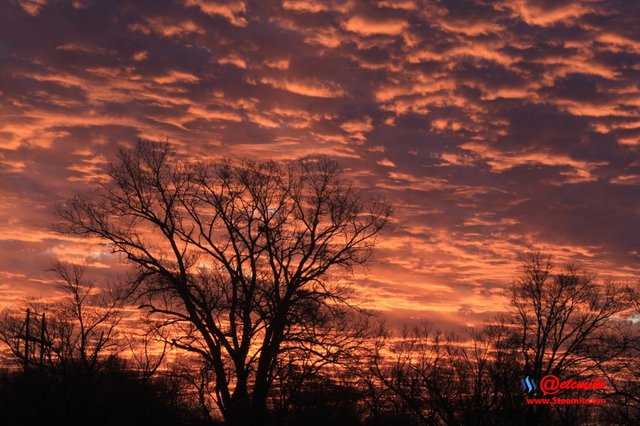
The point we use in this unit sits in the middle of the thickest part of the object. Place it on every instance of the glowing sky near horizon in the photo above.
(491, 126)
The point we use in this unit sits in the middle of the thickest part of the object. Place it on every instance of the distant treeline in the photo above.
(561, 322)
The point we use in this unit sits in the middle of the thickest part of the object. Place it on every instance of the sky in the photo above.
(493, 127)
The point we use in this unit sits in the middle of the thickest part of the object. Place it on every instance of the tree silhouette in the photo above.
(72, 373)
(567, 324)
(236, 258)
(80, 328)
(624, 373)
(434, 379)
(563, 317)
(561, 321)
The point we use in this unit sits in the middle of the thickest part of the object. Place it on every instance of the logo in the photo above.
(551, 385)
(528, 384)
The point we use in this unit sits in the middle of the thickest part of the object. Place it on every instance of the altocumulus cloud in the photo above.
(491, 126)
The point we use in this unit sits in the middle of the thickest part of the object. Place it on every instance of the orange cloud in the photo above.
(533, 13)
(306, 88)
(231, 10)
(32, 7)
(365, 26)
(305, 6)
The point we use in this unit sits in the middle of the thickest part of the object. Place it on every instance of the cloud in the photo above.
(231, 10)
(367, 27)
(306, 88)
(305, 6)
(545, 13)
(492, 127)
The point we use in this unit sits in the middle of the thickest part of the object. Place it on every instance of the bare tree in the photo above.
(236, 257)
(624, 373)
(562, 322)
(564, 317)
(413, 368)
(445, 380)
(84, 325)
(567, 324)
(79, 331)
(199, 379)
(147, 351)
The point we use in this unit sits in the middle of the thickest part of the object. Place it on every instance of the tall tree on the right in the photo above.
(567, 323)
(564, 317)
